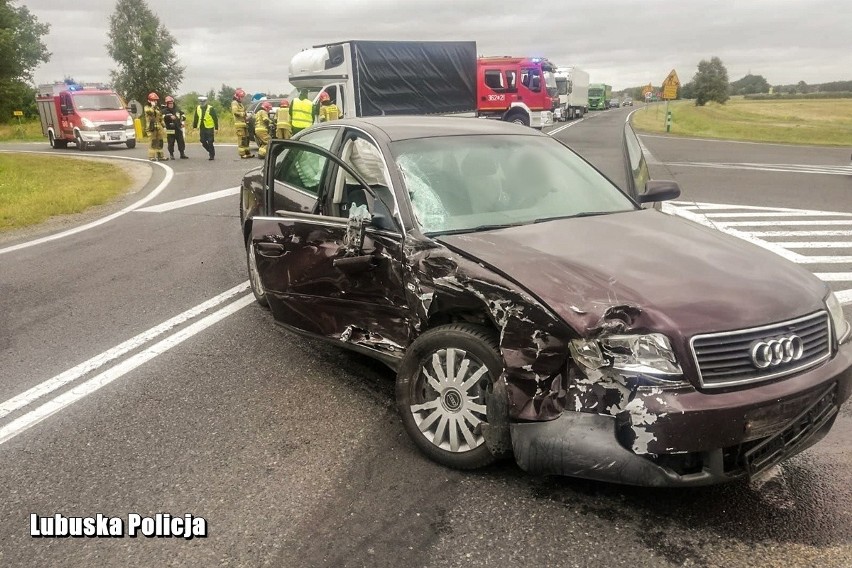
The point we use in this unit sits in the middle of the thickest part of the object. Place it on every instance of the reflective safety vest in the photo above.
(204, 119)
(329, 112)
(303, 113)
(239, 112)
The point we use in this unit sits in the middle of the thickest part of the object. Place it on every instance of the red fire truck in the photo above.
(517, 89)
(87, 115)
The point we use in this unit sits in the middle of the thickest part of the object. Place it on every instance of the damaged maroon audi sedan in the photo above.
(532, 308)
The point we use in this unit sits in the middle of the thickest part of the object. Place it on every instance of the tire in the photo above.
(81, 145)
(254, 276)
(427, 411)
(131, 144)
(56, 144)
(518, 118)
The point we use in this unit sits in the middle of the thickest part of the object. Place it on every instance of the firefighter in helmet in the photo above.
(282, 120)
(239, 112)
(328, 110)
(174, 120)
(261, 128)
(155, 127)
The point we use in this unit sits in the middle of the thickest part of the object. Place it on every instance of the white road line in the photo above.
(703, 206)
(845, 296)
(835, 276)
(29, 396)
(678, 138)
(794, 223)
(157, 190)
(86, 388)
(813, 244)
(784, 168)
(564, 126)
(779, 214)
(190, 201)
(801, 233)
(824, 259)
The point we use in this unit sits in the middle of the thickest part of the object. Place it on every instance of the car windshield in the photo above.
(469, 183)
(595, 92)
(562, 85)
(97, 102)
(550, 83)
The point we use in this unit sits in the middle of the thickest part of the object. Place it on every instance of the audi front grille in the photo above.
(761, 353)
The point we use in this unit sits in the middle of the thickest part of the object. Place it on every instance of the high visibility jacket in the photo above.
(302, 113)
(329, 112)
(203, 117)
(239, 112)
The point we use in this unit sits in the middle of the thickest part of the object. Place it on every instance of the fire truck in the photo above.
(517, 89)
(86, 115)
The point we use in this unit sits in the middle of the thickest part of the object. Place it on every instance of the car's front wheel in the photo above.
(442, 389)
(254, 276)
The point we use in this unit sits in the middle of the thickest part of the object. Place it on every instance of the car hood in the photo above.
(681, 278)
(105, 115)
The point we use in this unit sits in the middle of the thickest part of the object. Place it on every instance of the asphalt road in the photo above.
(290, 449)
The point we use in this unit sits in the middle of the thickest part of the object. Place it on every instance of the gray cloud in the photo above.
(621, 42)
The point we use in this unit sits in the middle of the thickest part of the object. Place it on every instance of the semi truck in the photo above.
(376, 78)
(522, 90)
(572, 85)
(85, 115)
(599, 96)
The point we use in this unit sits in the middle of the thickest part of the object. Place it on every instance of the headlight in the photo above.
(129, 121)
(649, 354)
(87, 123)
(842, 329)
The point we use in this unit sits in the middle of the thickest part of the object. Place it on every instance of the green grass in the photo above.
(26, 131)
(34, 188)
(825, 122)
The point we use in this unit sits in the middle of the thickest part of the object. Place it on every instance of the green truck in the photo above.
(599, 96)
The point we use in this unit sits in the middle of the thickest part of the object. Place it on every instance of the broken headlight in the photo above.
(842, 329)
(649, 354)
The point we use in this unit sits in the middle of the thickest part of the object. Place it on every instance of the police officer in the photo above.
(301, 112)
(328, 110)
(207, 121)
(282, 120)
(155, 127)
(261, 128)
(239, 112)
(174, 120)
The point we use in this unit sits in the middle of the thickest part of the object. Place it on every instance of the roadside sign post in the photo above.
(668, 119)
(18, 114)
(670, 86)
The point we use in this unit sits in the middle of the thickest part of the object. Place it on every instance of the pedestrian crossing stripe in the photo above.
(789, 227)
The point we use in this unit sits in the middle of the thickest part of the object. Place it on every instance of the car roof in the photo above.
(407, 127)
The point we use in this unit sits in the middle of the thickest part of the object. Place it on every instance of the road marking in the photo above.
(157, 190)
(709, 214)
(190, 201)
(678, 138)
(812, 244)
(801, 233)
(52, 384)
(786, 168)
(564, 126)
(86, 388)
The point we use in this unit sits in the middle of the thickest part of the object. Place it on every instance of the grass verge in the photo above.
(826, 122)
(34, 188)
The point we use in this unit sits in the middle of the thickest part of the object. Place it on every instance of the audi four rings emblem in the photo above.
(774, 352)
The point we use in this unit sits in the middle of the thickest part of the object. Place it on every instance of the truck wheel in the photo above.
(82, 146)
(131, 144)
(442, 390)
(519, 118)
(56, 144)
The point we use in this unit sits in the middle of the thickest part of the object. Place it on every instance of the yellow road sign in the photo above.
(17, 113)
(647, 89)
(672, 79)
(670, 86)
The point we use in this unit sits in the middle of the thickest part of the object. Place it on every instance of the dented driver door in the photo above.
(322, 274)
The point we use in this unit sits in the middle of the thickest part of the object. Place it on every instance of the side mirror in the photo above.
(659, 190)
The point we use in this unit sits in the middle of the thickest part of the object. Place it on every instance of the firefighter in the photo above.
(301, 112)
(261, 128)
(239, 112)
(328, 110)
(174, 120)
(282, 120)
(207, 121)
(155, 125)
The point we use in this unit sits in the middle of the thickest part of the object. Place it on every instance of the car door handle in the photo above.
(270, 250)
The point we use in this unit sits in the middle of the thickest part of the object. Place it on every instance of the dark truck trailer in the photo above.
(378, 78)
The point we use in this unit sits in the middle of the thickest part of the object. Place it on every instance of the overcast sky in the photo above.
(620, 42)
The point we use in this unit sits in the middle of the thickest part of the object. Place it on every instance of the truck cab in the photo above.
(517, 89)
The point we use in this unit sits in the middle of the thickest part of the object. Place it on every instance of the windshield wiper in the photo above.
(474, 229)
(575, 216)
